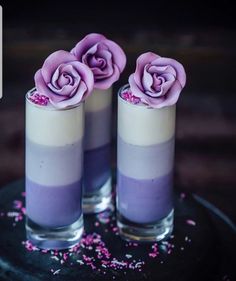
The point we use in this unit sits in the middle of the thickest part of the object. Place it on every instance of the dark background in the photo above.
(200, 36)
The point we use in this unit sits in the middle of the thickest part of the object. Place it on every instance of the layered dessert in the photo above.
(107, 61)
(145, 161)
(97, 163)
(54, 151)
(145, 152)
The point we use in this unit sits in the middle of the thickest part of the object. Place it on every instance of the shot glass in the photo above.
(145, 155)
(54, 161)
(97, 157)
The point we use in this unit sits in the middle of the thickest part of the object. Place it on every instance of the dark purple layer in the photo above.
(144, 201)
(53, 206)
(97, 168)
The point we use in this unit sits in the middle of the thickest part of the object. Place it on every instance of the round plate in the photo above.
(201, 248)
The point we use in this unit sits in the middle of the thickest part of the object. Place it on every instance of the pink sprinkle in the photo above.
(18, 204)
(182, 195)
(191, 222)
(23, 194)
(65, 257)
(96, 223)
(36, 98)
(128, 96)
(152, 255)
(115, 229)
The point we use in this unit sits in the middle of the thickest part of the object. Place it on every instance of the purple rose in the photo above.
(157, 81)
(64, 80)
(104, 57)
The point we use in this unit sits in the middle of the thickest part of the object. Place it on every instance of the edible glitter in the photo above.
(92, 251)
(128, 96)
(36, 98)
(191, 222)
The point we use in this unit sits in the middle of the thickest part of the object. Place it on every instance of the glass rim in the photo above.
(140, 105)
(47, 108)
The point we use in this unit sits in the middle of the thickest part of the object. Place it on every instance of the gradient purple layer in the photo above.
(144, 201)
(97, 168)
(53, 206)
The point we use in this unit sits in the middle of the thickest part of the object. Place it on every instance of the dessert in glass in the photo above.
(106, 60)
(145, 152)
(54, 151)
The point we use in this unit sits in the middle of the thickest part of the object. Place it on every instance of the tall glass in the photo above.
(145, 154)
(97, 156)
(54, 161)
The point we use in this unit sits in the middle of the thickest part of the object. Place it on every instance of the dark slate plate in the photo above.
(196, 252)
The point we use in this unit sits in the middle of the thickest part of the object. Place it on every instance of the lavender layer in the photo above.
(54, 165)
(145, 162)
(53, 206)
(97, 128)
(97, 168)
(144, 201)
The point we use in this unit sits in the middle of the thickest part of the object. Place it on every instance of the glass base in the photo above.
(98, 201)
(157, 231)
(54, 238)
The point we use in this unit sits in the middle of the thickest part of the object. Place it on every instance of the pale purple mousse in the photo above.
(144, 200)
(148, 198)
(97, 168)
(64, 80)
(157, 81)
(104, 57)
(53, 205)
(97, 161)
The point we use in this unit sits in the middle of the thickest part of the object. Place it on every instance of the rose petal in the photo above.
(93, 47)
(118, 55)
(180, 72)
(79, 96)
(147, 80)
(136, 91)
(85, 73)
(101, 73)
(162, 69)
(65, 79)
(53, 61)
(173, 94)
(107, 83)
(42, 88)
(86, 43)
(144, 59)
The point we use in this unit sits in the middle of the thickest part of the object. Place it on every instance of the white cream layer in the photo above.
(52, 127)
(140, 125)
(98, 100)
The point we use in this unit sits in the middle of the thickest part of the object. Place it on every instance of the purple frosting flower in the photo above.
(104, 57)
(64, 80)
(157, 81)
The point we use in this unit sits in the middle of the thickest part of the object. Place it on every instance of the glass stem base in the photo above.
(99, 200)
(54, 238)
(157, 231)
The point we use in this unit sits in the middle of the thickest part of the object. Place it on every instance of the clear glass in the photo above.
(54, 161)
(97, 183)
(145, 157)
